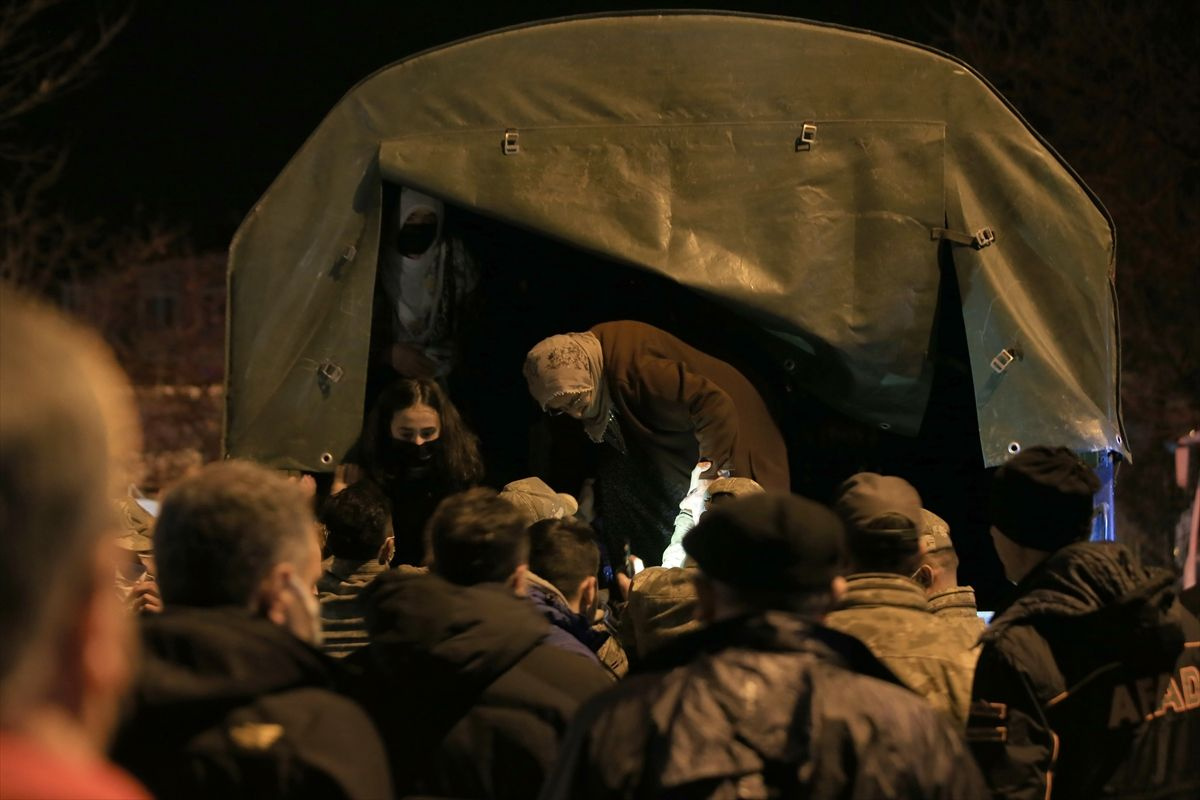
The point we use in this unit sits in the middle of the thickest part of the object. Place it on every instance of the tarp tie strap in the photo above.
(982, 238)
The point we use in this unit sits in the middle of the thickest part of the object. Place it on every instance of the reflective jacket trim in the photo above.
(1063, 695)
(1053, 763)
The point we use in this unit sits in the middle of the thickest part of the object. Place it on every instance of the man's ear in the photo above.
(924, 576)
(387, 550)
(103, 653)
(269, 599)
(837, 588)
(588, 595)
(517, 580)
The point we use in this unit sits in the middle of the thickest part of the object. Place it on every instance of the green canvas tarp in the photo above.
(799, 173)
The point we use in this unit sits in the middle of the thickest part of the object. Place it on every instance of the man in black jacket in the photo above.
(471, 697)
(1088, 684)
(764, 701)
(234, 698)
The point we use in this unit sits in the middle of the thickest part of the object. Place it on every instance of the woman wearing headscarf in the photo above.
(427, 274)
(659, 407)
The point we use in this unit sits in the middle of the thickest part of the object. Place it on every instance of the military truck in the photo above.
(915, 278)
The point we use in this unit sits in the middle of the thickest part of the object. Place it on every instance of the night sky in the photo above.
(198, 105)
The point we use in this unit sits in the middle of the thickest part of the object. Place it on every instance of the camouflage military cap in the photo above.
(935, 532)
(136, 526)
(867, 497)
(537, 501)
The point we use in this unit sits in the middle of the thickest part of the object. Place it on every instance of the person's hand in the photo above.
(410, 362)
(623, 583)
(674, 555)
(307, 483)
(587, 501)
(695, 501)
(144, 597)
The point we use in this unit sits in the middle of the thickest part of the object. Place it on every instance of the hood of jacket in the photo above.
(552, 605)
(873, 589)
(772, 632)
(199, 663)
(446, 637)
(742, 696)
(1097, 588)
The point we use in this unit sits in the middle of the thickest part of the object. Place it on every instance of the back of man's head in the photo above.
(774, 551)
(475, 537)
(1042, 498)
(221, 531)
(937, 553)
(67, 430)
(563, 552)
(357, 521)
(883, 523)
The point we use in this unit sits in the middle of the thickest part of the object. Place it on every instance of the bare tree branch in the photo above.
(34, 71)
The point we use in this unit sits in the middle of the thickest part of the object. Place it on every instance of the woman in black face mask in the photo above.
(418, 450)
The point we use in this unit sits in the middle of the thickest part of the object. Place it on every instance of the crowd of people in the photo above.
(416, 634)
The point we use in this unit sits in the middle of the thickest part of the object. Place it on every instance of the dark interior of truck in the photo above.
(531, 286)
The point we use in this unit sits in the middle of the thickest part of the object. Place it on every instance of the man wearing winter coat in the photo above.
(564, 560)
(234, 698)
(1089, 681)
(471, 696)
(763, 701)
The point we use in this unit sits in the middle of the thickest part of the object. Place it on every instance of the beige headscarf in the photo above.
(571, 363)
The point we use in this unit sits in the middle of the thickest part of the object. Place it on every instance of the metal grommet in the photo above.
(1014, 448)
(1119, 439)
(326, 458)
(789, 365)
(885, 426)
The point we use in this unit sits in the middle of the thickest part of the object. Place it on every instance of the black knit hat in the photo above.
(773, 543)
(1042, 498)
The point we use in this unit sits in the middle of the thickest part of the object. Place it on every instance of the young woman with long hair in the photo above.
(416, 447)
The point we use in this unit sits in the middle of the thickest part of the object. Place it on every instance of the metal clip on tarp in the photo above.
(510, 145)
(984, 237)
(1004, 359)
(345, 259)
(808, 135)
(330, 372)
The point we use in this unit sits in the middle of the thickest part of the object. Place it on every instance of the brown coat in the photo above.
(681, 404)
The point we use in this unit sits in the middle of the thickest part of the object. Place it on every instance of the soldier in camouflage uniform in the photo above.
(951, 603)
(885, 607)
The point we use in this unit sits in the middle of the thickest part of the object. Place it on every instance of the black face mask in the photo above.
(409, 459)
(414, 238)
